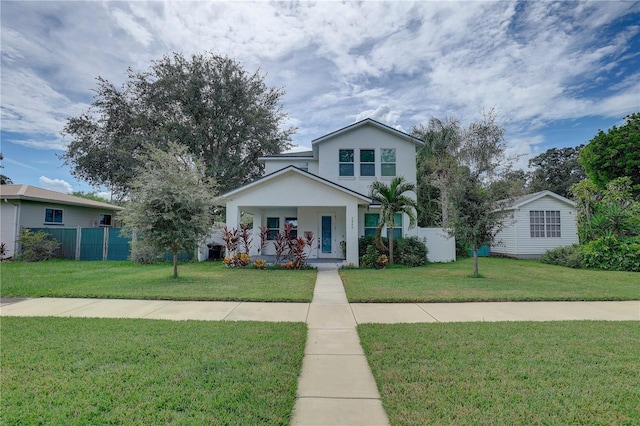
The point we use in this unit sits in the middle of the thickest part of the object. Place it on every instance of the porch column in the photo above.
(351, 236)
(233, 217)
(257, 223)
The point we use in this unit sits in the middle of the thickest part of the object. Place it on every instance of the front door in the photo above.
(327, 244)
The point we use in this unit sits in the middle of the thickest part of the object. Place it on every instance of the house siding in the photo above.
(273, 165)
(366, 137)
(517, 237)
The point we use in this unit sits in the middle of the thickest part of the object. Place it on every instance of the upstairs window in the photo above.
(105, 219)
(303, 166)
(346, 162)
(53, 216)
(388, 162)
(367, 162)
(544, 223)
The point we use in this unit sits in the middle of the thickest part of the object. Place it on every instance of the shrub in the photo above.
(37, 246)
(237, 261)
(407, 251)
(612, 253)
(410, 252)
(382, 261)
(568, 256)
(370, 257)
(260, 264)
(143, 253)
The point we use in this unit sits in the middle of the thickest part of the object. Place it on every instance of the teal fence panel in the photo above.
(482, 251)
(67, 238)
(119, 247)
(91, 243)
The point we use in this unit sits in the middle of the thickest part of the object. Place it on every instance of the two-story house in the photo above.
(325, 191)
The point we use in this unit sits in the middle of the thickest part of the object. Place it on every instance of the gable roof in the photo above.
(296, 170)
(33, 193)
(518, 202)
(368, 122)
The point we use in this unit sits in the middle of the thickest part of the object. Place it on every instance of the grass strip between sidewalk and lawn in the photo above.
(570, 372)
(128, 280)
(66, 371)
(504, 280)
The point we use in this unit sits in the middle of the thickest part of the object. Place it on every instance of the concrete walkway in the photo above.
(336, 386)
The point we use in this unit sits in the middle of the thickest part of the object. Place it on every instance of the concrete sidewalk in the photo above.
(389, 313)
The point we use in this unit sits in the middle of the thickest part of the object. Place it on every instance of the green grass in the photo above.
(65, 371)
(507, 373)
(197, 281)
(503, 280)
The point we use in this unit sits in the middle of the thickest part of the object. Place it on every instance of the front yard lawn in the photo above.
(504, 280)
(120, 371)
(127, 280)
(570, 372)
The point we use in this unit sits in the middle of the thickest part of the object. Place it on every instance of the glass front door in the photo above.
(327, 222)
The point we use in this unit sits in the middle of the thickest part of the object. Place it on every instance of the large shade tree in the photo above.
(393, 199)
(171, 202)
(556, 169)
(225, 116)
(614, 154)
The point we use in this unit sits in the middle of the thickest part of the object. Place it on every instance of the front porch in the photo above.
(312, 206)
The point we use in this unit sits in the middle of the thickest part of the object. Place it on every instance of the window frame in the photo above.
(101, 218)
(346, 168)
(53, 216)
(386, 162)
(294, 228)
(273, 231)
(545, 224)
(371, 165)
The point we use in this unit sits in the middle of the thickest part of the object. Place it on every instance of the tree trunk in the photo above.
(444, 201)
(475, 261)
(391, 247)
(175, 260)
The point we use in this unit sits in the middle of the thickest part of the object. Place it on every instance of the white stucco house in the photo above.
(536, 223)
(325, 190)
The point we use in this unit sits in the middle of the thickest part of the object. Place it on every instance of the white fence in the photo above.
(441, 247)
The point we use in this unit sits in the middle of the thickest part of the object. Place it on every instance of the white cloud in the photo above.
(58, 185)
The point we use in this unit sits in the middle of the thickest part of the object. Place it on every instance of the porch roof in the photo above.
(295, 171)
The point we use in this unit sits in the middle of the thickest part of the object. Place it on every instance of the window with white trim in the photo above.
(544, 223)
(367, 162)
(372, 220)
(388, 162)
(293, 222)
(273, 228)
(53, 216)
(346, 162)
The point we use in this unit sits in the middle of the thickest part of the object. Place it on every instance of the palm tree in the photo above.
(393, 201)
(439, 157)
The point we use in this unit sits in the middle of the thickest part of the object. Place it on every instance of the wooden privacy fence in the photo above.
(90, 243)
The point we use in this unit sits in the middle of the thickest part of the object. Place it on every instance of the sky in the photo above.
(555, 72)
